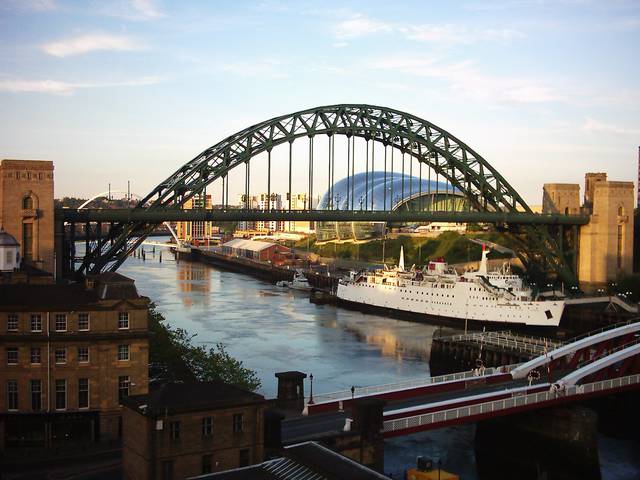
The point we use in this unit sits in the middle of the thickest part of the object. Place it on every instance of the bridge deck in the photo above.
(159, 215)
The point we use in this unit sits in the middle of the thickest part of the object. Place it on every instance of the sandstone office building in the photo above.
(69, 354)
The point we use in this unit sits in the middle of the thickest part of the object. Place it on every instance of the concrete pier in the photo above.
(556, 443)
(484, 349)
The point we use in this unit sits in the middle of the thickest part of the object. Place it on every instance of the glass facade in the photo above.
(381, 191)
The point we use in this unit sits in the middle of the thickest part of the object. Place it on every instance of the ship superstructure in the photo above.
(438, 290)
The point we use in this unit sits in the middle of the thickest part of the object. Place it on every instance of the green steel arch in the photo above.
(483, 186)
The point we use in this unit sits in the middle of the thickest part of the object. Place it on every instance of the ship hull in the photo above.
(453, 305)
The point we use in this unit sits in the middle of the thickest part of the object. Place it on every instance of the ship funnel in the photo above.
(401, 264)
(482, 270)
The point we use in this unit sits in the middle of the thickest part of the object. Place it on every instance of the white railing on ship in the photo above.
(360, 392)
(507, 403)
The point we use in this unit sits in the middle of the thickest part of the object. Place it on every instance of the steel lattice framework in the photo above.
(484, 187)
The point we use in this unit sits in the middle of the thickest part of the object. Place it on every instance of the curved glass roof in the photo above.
(362, 180)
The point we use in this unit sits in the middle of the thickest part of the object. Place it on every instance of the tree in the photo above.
(173, 357)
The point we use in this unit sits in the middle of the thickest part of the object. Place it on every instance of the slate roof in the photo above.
(7, 240)
(109, 286)
(192, 397)
(305, 461)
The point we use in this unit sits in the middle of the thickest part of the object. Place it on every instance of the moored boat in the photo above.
(437, 290)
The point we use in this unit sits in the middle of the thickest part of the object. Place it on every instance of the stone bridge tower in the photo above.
(26, 209)
(605, 249)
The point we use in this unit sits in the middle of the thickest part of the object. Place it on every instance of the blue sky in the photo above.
(111, 91)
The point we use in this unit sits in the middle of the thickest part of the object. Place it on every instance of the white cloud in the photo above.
(146, 9)
(29, 5)
(360, 25)
(66, 88)
(594, 126)
(90, 43)
(463, 79)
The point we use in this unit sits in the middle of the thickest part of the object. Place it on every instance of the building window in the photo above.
(123, 352)
(620, 246)
(83, 321)
(83, 393)
(27, 241)
(61, 355)
(36, 322)
(167, 470)
(244, 459)
(61, 322)
(237, 423)
(36, 355)
(207, 426)
(61, 394)
(36, 395)
(174, 430)
(123, 320)
(207, 463)
(12, 355)
(123, 387)
(12, 322)
(12, 395)
(83, 354)
(27, 203)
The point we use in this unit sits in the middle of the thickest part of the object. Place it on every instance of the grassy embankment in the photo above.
(452, 246)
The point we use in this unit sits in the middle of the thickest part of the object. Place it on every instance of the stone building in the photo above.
(605, 244)
(187, 429)
(69, 355)
(26, 209)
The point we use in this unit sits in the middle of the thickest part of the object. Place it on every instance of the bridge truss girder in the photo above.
(483, 186)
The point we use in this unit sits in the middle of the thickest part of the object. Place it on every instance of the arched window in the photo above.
(620, 211)
(27, 203)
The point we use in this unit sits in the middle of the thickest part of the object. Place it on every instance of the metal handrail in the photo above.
(507, 403)
(533, 345)
(421, 382)
(600, 330)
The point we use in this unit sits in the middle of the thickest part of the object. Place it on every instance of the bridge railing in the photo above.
(606, 328)
(425, 419)
(360, 392)
(527, 344)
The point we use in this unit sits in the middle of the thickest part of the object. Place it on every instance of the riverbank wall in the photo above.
(264, 270)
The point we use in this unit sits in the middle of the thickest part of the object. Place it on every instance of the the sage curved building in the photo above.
(380, 191)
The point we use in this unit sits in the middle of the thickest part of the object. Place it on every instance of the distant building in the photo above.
(379, 191)
(186, 429)
(254, 249)
(9, 252)
(308, 460)
(274, 201)
(262, 202)
(299, 201)
(26, 209)
(70, 354)
(194, 232)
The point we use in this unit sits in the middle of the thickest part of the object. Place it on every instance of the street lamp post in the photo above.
(311, 389)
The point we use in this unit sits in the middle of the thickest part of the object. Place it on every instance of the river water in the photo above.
(273, 330)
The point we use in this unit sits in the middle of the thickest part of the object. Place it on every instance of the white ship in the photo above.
(437, 290)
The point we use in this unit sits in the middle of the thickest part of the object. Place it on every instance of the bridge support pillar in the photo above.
(554, 442)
